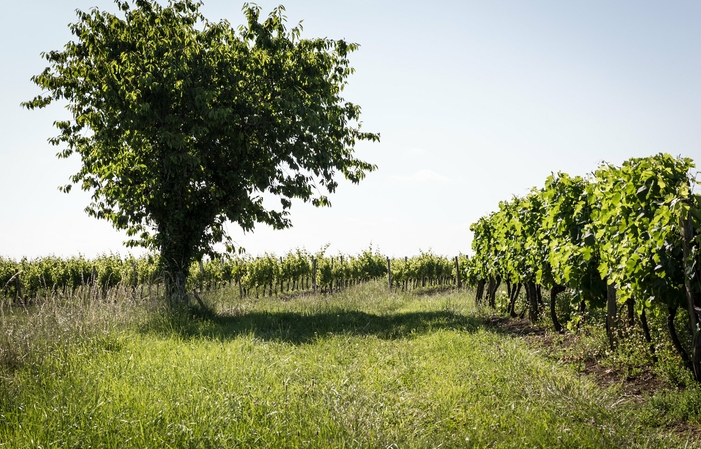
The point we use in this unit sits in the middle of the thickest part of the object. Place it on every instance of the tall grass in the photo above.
(31, 332)
(361, 368)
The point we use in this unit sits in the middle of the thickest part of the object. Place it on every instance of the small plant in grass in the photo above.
(632, 355)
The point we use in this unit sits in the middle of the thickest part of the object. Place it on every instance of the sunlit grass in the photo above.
(361, 368)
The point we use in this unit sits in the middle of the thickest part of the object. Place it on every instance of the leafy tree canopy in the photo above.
(183, 124)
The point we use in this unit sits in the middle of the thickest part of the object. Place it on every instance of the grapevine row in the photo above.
(627, 236)
(269, 274)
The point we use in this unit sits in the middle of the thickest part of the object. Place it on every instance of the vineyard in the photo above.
(624, 238)
(625, 241)
(338, 348)
(268, 275)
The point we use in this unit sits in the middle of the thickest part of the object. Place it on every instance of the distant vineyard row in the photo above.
(268, 274)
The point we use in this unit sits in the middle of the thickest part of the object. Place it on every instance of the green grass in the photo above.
(361, 368)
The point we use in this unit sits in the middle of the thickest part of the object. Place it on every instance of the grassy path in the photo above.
(359, 369)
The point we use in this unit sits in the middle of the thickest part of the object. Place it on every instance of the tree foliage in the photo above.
(183, 124)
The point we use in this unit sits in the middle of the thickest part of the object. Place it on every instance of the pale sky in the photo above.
(475, 102)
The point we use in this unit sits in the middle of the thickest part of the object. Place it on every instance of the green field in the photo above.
(360, 368)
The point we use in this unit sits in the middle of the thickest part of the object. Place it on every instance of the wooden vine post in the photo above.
(314, 274)
(18, 286)
(389, 274)
(201, 276)
(457, 272)
(134, 284)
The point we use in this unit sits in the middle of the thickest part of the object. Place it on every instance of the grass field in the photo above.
(360, 368)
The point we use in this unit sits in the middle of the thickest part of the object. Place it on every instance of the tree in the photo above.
(183, 124)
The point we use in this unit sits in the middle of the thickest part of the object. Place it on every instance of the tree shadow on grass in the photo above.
(301, 328)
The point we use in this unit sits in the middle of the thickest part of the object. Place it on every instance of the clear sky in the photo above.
(475, 102)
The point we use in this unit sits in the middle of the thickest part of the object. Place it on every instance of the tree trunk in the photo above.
(672, 313)
(512, 299)
(479, 297)
(532, 295)
(611, 312)
(494, 284)
(553, 299)
(630, 305)
(175, 287)
(175, 265)
(693, 298)
(490, 289)
(646, 332)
